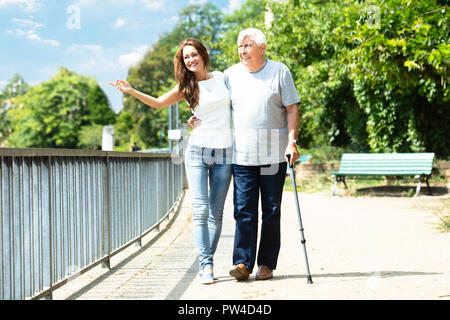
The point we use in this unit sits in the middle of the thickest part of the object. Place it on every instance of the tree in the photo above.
(250, 14)
(300, 36)
(371, 75)
(372, 80)
(15, 87)
(90, 137)
(399, 69)
(99, 109)
(51, 114)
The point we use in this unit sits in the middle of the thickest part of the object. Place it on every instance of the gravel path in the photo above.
(358, 248)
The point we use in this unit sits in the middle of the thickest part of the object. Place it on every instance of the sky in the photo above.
(98, 38)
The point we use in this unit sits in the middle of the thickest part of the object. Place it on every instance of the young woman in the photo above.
(208, 154)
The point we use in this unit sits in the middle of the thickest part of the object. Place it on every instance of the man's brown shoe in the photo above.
(239, 272)
(263, 273)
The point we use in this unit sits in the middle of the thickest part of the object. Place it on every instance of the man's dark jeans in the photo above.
(249, 183)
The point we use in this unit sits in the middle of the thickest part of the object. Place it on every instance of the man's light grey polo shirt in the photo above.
(258, 99)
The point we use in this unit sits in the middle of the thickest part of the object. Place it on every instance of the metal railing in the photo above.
(62, 212)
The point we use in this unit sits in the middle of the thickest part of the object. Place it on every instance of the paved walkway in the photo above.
(358, 248)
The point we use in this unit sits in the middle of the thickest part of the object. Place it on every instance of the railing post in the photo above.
(141, 202)
(157, 193)
(106, 225)
(50, 229)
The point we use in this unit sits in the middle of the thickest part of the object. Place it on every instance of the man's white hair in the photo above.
(254, 34)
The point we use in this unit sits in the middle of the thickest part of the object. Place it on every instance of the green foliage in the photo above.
(100, 111)
(90, 137)
(364, 84)
(250, 14)
(400, 73)
(51, 114)
(325, 153)
(16, 86)
(370, 85)
(444, 222)
(300, 37)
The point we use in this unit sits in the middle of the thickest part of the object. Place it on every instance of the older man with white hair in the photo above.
(265, 127)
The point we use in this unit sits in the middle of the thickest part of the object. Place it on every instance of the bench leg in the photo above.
(345, 184)
(428, 185)
(338, 179)
(418, 187)
(334, 187)
(423, 179)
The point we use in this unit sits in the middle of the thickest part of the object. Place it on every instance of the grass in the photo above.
(320, 183)
(356, 186)
(444, 215)
(324, 153)
(400, 187)
(440, 208)
(445, 223)
(361, 186)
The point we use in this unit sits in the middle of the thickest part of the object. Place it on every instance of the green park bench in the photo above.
(418, 165)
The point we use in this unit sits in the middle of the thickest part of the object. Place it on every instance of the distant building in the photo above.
(16, 87)
(5, 105)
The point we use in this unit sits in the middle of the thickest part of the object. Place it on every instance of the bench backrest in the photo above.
(387, 163)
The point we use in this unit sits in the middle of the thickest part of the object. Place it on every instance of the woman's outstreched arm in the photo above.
(165, 100)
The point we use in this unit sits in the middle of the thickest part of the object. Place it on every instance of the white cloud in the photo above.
(27, 29)
(198, 1)
(51, 42)
(84, 3)
(28, 23)
(148, 4)
(234, 4)
(153, 4)
(26, 5)
(96, 59)
(120, 22)
(91, 59)
(94, 48)
(132, 58)
(32, 35)
(172, 19)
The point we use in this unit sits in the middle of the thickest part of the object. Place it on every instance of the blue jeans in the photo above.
(249, 183)
(207, 167)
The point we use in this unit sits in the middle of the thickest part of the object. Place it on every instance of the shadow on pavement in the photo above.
(378, 274)
(177, 292)
(125, 261)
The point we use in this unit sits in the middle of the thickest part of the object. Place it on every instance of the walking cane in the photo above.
(299, 216)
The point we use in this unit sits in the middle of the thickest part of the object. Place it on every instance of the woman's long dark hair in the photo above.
(187, 84)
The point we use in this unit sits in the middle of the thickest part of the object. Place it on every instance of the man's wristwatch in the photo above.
(293, 141)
